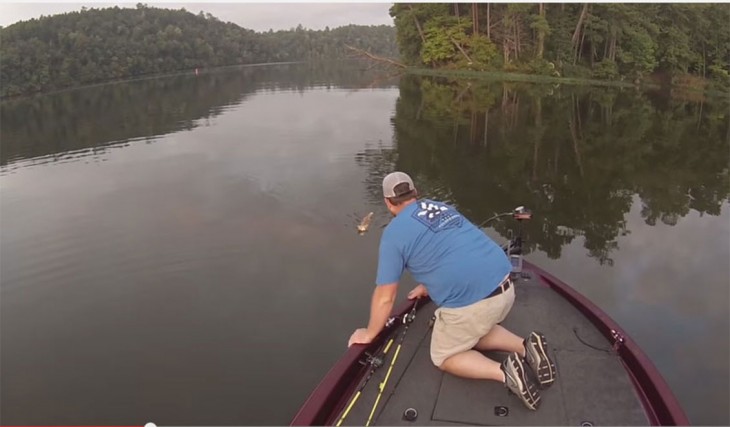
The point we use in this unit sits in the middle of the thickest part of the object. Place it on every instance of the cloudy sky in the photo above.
(256, 16)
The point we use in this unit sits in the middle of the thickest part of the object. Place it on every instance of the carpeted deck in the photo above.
(592, 387)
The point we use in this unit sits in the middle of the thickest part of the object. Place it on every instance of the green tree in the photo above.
(96, 45)
(602, 40)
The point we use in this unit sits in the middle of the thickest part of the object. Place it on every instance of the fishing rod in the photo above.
(514, 245)
(488, 220)
(375, 362)
(407, 320)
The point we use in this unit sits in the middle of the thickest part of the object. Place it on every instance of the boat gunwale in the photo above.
(659, 402)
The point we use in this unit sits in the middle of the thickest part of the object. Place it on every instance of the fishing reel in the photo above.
(372, 360)
(409, 317)
(391, 320)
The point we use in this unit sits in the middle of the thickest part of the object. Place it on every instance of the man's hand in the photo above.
(380, 307)
(360, 336)
(418, 292)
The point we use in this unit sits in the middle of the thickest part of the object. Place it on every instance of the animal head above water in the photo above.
(363, 226)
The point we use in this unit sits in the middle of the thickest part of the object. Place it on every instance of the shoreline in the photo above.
(516, 77)
(142, 77)
(577, 81)
(492, 76)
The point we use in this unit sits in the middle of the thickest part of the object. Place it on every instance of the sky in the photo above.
(255, 16)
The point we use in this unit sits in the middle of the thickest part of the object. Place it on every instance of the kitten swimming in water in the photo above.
(365, 223)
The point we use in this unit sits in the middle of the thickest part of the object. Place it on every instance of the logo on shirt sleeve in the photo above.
(437, 216)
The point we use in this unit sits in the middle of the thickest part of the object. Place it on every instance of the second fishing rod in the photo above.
(377, 360)
(408, 318)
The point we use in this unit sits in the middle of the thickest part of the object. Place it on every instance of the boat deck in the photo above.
(592, 386)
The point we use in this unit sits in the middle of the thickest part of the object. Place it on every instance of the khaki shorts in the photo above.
(459, 329)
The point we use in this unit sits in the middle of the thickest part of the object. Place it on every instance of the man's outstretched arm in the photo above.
(380, 309)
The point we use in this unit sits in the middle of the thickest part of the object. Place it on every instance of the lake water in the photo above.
(182, 250)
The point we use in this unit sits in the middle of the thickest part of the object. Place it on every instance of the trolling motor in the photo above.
(513, 248)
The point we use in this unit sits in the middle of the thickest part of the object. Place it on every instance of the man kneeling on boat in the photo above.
(467, 275)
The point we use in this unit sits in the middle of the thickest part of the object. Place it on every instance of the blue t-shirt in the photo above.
(456, 261)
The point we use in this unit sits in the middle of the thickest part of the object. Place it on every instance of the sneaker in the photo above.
(540, 363)
(519, 383)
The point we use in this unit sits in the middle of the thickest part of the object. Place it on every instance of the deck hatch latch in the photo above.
(501, 411)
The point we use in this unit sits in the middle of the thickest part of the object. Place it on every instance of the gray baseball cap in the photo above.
(393, 179)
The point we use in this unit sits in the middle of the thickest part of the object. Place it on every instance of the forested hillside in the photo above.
(603, 41)
(686, 44)
(97, 45)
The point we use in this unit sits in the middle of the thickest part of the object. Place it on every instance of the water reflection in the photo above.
(230, 228)
(84, 124)
(576, 156)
